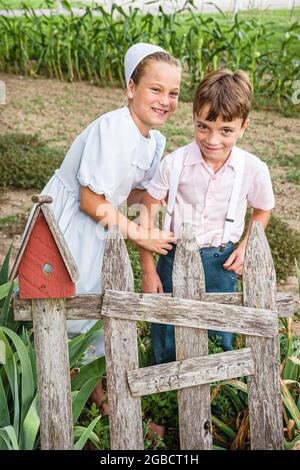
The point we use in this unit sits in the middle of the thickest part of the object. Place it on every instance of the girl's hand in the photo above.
(151, 283)
(156, 240)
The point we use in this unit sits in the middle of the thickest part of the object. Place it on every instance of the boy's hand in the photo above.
(235, 261)
(151, 283)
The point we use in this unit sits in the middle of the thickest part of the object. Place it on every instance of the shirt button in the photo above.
(205, 216)
(214, 178)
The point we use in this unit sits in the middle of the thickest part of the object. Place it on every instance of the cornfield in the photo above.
(91, 47)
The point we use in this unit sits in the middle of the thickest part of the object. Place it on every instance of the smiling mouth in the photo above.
(160, 112)
(211, 148)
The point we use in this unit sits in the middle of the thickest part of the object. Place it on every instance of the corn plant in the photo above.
(92, 47)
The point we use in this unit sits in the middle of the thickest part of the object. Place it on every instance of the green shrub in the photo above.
(26, 161)
(285, 246)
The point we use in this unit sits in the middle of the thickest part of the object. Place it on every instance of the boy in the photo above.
(216, 180)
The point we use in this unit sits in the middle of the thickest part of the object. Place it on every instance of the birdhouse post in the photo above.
(47, 274)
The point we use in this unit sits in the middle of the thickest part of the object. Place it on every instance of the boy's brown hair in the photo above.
(228, 94)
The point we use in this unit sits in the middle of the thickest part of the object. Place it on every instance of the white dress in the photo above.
(111, 157)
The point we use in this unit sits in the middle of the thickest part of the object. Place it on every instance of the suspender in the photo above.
(174, 181)
(236, 188)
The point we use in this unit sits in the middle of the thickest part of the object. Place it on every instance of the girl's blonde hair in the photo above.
(155, 57)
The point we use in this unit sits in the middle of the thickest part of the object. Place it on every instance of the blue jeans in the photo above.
(217, 279)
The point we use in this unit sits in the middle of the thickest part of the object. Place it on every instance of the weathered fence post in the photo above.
(265, 407)
(47, 275)
(53, 374)
(121, 350)
(194, 402)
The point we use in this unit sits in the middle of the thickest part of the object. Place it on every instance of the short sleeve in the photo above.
(260, 195)
(109, 147)
(159, 185)
(160, 142)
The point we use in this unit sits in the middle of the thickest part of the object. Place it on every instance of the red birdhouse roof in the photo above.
(58, 237)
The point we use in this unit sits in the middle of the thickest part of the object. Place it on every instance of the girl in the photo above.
(110, 162)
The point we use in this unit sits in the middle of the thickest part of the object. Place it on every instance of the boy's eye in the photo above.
(227, 131)
(201, 126)
(174, 94)
(156, 90)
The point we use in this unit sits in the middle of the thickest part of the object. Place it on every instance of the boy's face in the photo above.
(216, 138)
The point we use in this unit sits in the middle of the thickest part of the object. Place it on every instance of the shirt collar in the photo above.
(194, 156)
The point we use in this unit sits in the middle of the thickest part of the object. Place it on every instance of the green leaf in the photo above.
(290, 404)
(288, 445)
(5, 443)
(31, 425)
(79, 344)
(4, 315)
(4, 289)
(4, 411)
(92, 369)
(86, 434)
(80, 398)
(291, 370)
(27, 384)
(223, 427)
(5, 268)
(79, 430)
(12, 436)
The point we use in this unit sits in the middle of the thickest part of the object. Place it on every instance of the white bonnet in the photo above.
(136, 54)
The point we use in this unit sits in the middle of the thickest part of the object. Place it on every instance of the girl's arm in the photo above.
(235, 261)
(101, 210)
(135, 197)
(150, 279)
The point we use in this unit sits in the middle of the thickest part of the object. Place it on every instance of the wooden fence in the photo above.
(253, 313)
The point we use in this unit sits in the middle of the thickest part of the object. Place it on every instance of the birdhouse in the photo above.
(44, 264)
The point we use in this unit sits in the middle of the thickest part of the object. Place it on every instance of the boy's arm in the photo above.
(150, 279)
(235, 261)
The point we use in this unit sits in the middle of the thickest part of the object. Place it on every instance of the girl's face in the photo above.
(154, 99)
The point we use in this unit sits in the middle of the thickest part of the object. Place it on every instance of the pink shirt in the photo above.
(203, 196)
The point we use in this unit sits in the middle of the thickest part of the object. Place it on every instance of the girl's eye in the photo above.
(174, 94)
(156, 90)
(227, 131)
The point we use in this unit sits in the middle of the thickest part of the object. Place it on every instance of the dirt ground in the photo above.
(58, 111)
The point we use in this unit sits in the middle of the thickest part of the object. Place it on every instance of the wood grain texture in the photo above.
(84, 307)
(121, 349)
(41, 199)
(189, 313)
(193, 402)
(265, 406)
(41, 249)
(190, 373)
(52, 358)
